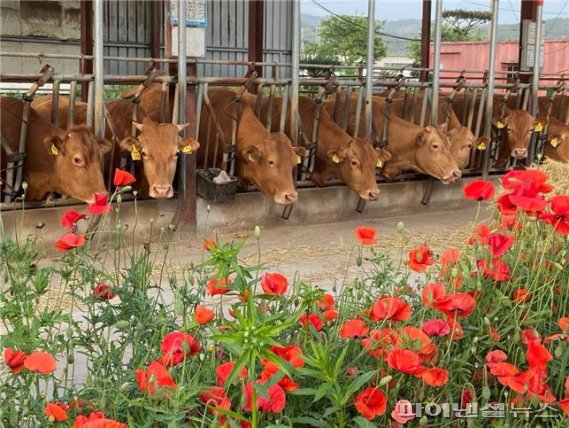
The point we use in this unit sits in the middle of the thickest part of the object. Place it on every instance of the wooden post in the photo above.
(86, 66)
(256, 33)
(156, 22)
(426, 39)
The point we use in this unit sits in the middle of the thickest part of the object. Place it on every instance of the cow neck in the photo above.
(250, 128)
(402, 143)
(330, 136)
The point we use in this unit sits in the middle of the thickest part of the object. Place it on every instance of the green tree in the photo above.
(458, 25)
(344, 38)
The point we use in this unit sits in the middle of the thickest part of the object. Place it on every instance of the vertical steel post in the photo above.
(182, 82)
(295, 72)
(99, 81)
(369, 65)
(491, 81)
(426, 39)
(437, 61)
(536, 58)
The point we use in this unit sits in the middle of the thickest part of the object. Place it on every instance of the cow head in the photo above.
(560, 142)
(433, 155)
(159, 145)
(357, 161)
(462, 140)
(78, 162)
(269, 164)
(518, 127)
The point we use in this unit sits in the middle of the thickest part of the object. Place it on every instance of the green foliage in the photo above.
(460, 24)
(344, 38)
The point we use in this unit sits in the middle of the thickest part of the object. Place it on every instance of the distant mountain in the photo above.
(411, 28)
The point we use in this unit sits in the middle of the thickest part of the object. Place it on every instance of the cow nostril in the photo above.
(291, 196)
(161, 189)
(456, 174)
(373, 194)
(520, 153)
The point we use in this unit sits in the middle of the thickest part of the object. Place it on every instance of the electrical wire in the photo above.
(355, 24)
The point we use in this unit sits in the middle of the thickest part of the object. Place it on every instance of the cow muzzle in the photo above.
(520, 153)
(453, 177)
(370, 195)
(161, 191)
(287, 198)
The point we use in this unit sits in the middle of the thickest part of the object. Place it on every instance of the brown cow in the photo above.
(266, 159)
(514, 126)
(67, 162)
(559, 109)
(557, 145)
(461, 138)
(338, 155)
(425, 150)
(157, 146)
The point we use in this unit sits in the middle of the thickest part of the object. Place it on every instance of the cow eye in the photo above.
(144, 154)
(77, 161)
(271, 162)
(530, 131)
(435, 146)
(354, 162)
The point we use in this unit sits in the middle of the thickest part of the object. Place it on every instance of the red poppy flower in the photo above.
(218, 286)
(415, 340)
(559, 218)
(529, 336)
(496, 356)
(481, 235)
(155, 381)
(56, 412)
(285, 382)
(390, 308)
(40, 362)
(503, 369)
(69, 241)
(326, 302)
(178, 345)
(366, 235)
(494, 335)
(531, 180)
(100, 206)
(499, 244)
(103, 292)
(405, 361)
(380, 342)
(209, 244)
(564, 406)
(505, 206)
(537, 355)
(330, 314)
(432, 292)
(214, 399)
(223, 370)
(353, 328)
(403, 412)
(14, 360)
(123, 178)
(371, 402)
(291, 353)
(420, 258)
(521, 296)
(456, 329)
(435, 376)
(203, 315)
(70, 217)
(352, 371)
(510, 222)
(564, 324)
(436, 327)
(274, 284)
(313, 319)
(449, 259)
(92, 422)
(461, 304)
(82, 420)
(274, 404)
(479, 190)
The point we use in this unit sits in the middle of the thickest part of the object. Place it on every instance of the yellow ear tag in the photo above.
(500, 125)
(298, 160)
(135, 154)
(554, 142)
(335, 158)
(538, 127)
(379, 163)
(481, 146)
(54, 150)
(187, 149)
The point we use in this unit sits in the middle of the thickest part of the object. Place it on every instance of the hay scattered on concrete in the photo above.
(558, 173)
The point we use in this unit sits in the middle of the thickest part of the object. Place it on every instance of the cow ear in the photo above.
(482, 142)
(105, 145)
(54, 144)
(188, 145)
(252, 154)
(129, 144)
(336, 156)
(383, 156)
(182, 126)
(138, 125)
(443, 127)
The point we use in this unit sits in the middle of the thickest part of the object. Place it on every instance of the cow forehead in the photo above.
(277, 146)
(81, 138)
(519, 119)
(362, 148)
(159, 133)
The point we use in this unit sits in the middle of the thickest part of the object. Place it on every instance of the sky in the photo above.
(509, 11)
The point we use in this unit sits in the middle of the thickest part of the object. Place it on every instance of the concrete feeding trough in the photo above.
(215, 185)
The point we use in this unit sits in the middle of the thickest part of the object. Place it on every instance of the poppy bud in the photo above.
(24, 185)
(385, 380)
(257, 232)
(486, 393)
(135, 193)
(400, 227)
(119, 198)
(208, 208)
(124, 386)
(122, 325)
(210, 347)
(424, 421)
(125, 189)
(359, 261)
(70, 359)
(486, 321)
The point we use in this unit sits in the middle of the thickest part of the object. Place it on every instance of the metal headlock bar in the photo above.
(542, 137)
(16, 160)
(382, 143)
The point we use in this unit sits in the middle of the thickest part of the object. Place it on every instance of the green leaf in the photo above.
(357, 383)
(363, 423)
(307, 420)
(321, 392)
(239, 364)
